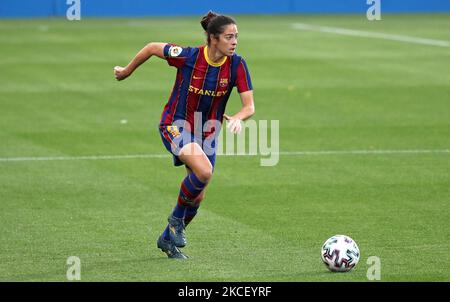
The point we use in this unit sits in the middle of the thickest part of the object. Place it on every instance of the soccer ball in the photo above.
(340, 253)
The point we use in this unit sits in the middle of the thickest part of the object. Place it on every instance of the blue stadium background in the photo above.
(141, 8)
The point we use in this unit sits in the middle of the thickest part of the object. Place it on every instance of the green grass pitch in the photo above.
(330, 92)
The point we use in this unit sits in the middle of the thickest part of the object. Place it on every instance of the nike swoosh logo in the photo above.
(172, 229)
(197, 78)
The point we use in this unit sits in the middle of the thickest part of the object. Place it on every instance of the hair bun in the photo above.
(207, 18)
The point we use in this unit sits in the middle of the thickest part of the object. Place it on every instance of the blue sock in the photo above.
(179, 210)
(190, 214)
(166, 234)
(191, 187)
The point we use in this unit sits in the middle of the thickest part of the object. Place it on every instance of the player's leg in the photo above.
(191, 189)
(195, 159)
(191, 211)
(165, 242)
(199, 172)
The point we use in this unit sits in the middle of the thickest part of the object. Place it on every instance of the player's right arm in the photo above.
(151, 49)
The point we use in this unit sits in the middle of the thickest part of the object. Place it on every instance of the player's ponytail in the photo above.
(206, 19)
(214, 24)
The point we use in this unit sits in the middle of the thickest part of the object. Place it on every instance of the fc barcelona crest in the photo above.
(173, 130)
(223, 82)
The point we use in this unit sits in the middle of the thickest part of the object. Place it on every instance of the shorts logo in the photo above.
(223, 82)
(175, 51)
(173, 130)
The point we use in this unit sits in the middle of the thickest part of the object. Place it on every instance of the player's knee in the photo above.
(204, 175)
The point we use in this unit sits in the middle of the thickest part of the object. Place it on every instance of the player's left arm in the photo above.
(247, 110)
(151, 49)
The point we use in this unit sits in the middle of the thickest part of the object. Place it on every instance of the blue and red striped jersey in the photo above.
(202, 85)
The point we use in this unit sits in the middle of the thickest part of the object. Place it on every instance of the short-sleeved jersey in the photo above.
(202, 85)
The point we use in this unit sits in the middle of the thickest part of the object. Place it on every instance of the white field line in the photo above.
(286, 153)
(367, 34)
(363, 152)
(87, 157)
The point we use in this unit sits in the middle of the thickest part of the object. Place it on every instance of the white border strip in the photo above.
(286, 153)
(367, 34)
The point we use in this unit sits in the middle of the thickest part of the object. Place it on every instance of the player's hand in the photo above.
(120, 73)
(234, 124)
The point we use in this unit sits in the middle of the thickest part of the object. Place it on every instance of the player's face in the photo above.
(227, 41)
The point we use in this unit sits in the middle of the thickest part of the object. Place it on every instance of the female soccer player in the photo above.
(191, 119)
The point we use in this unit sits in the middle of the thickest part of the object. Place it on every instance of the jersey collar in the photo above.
(210, 62)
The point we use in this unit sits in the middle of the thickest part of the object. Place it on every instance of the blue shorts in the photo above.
(174, 138)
